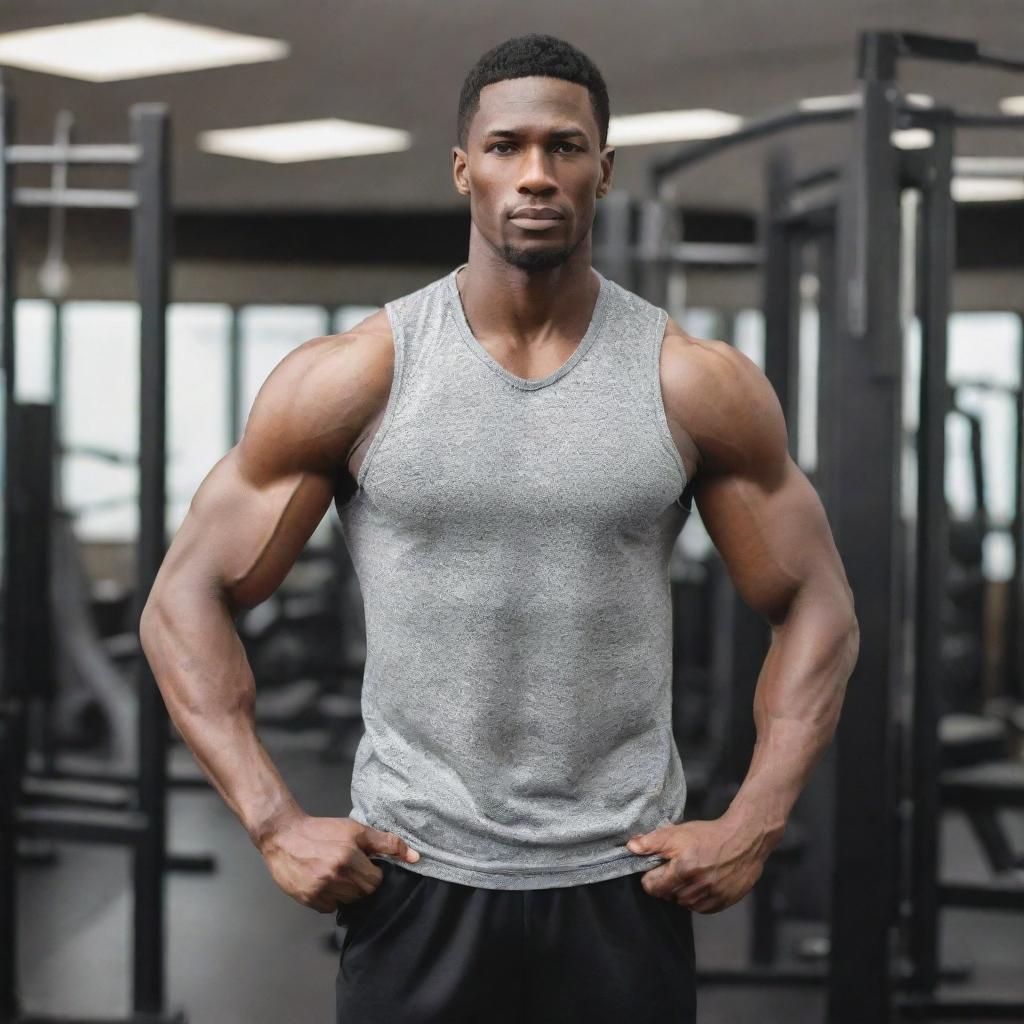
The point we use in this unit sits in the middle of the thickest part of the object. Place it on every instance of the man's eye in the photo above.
(558, 145)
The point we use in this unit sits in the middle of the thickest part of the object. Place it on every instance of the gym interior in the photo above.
(189, 191)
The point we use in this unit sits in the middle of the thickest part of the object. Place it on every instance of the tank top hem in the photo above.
(434, 864)
(548, 879)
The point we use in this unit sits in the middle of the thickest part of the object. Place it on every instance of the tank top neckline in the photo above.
(585, 344)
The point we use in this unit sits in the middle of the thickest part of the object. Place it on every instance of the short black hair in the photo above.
(523, 57)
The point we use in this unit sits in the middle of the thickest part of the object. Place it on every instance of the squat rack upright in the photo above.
(142, 828)
(883, 937)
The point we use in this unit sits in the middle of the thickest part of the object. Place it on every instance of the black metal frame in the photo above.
(1013, 676)
(861, 382)
(865, 458)
(142, 827)
(930, 171)
(932, 175)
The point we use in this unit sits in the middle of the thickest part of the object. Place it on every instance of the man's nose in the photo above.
(535, 172)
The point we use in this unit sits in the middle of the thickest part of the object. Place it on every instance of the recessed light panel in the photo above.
(989, 166)
(851, 100)
(912, 138)
(134, 46)
(986, 190)
(670, 126)
(821, 104)
(322, 139)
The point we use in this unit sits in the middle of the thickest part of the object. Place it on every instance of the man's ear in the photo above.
(607, 165)
(459, 171)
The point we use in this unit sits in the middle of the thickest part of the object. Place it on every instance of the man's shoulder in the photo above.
(319, 397)
(365, 350)
(717, 394)
(689, 362)
(319, 362)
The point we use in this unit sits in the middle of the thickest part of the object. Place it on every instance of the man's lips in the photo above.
(535, 213)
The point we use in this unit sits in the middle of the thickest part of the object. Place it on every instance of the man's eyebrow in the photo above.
(558, 133)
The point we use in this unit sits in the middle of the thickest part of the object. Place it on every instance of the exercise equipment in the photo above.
(876, 258)
(141, 827)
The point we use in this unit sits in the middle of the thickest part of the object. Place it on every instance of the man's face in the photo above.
(533, 169)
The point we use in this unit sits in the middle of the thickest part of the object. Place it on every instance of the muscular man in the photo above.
(512, 451)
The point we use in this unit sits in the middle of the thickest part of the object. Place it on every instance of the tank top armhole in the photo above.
(398, 375)
(657, 404)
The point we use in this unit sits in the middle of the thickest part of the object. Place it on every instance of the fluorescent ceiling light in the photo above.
(293, 141)
(133, 46)
(818, 103)
(1013, 105)
(915, 138)
(986, 190)
(670, 126)
(851, 101)
(912, 138)
(989, 166)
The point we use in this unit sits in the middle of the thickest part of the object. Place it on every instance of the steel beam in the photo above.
(934, 274)
(865, 459)
(150, 127)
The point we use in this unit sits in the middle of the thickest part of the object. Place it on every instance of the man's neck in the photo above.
(523, 306)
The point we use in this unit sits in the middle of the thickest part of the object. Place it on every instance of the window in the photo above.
(198, 382)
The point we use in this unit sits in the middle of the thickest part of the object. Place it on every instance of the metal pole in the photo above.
(613, 238)
(150, 128)
(657, 234)
(781, 299)
(235, 411)
(758, 128)
(9, 690)
(866, 456)
(57, 391)
(7, 256)
(827, 481)
(1014, 643)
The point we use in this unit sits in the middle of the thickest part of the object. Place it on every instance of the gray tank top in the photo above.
(512, 540)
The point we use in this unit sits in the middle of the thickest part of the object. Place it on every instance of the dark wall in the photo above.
(271, 256)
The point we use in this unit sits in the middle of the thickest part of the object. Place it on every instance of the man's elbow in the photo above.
(158, 613)
(853, 639)
(843, 613)
(149, 620)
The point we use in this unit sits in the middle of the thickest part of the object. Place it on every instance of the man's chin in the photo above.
(536, 259)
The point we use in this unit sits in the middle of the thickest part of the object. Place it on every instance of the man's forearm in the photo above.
(197, 657)
(796, 705)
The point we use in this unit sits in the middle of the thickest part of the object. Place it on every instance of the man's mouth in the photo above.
(535, 213)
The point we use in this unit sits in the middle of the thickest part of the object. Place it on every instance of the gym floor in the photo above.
(241, 952)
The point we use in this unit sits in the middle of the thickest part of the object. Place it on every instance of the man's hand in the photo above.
(711, 864)
(321, 862)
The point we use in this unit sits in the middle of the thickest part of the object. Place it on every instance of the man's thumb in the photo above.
(638, 844)
(376, 841)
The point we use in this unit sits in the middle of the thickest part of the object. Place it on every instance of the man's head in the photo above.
(532, 155)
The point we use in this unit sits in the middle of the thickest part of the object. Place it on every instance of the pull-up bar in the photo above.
(879, 53)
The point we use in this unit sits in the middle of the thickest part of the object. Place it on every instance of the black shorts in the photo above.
(419, 950)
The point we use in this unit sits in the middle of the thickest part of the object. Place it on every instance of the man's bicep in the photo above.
(254, 512)
(243, 536)
(760, 510)
(772, 533)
